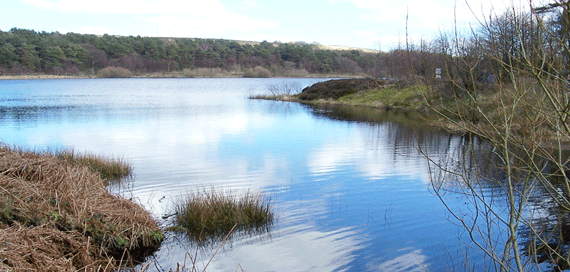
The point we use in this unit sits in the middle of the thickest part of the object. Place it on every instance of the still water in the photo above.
(347, 195)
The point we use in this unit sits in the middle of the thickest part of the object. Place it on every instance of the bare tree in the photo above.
(511, 90)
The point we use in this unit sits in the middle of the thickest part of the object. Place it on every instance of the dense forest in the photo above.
(27, 52)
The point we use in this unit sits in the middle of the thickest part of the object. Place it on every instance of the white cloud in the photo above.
(187, 7)
(295, 251)
(172, 17)
(364, 33)
(225, 21)
(97, 30)
(249, 3)
(374, 162)
(410, 261)
(371, 3)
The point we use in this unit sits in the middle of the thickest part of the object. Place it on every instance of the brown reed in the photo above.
(211, 212)
(57, 215)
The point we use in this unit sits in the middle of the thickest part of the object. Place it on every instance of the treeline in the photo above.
(27, 51)
(506, 47)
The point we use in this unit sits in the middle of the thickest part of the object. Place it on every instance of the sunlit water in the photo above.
(348, 196)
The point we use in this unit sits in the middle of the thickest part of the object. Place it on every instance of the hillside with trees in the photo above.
(28, 52)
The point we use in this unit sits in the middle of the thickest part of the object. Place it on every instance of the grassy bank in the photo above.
(375, 98)
(57, 215)
(376, 94)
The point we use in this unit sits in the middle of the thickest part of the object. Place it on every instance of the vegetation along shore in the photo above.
(57, 215)
(506, 84)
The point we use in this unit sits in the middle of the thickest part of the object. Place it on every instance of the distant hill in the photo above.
(27, 51)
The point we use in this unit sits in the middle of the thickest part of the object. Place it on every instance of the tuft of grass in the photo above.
(216, 213)
(110, 169)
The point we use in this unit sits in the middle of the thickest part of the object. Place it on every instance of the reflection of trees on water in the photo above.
(474, 168)
(546, 236)
(477, 170)
(364, 114)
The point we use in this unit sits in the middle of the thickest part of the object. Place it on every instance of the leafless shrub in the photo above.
(508, 83)
(284, 88)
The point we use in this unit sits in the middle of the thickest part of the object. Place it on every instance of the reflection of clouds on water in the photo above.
(298, 245)
(303, 249)
(372, 150)
(169, 154)
(409, 260)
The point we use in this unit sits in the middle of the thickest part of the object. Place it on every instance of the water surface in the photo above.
(348, 195)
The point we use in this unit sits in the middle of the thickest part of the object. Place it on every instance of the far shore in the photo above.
(41, 76)
(164, 75)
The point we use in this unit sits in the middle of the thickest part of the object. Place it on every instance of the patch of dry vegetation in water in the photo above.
(205, 214)
(57, 215)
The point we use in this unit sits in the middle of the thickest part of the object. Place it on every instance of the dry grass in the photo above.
(110, 169)
(114, 72)
(216, 213)
(57, 215)
(207, 73)
(257, 72)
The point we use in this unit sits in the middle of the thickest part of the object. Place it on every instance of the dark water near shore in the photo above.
(348, 195)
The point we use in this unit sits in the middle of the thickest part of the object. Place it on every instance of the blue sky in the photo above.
(373, 24)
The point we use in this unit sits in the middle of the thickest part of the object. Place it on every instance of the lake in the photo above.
(348, 195)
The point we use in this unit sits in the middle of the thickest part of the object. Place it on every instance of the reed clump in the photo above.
(216, 213)
(57, 215)
(109, 169)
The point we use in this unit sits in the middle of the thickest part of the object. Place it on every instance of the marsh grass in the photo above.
(212, 213)
(57, 215)
(110, 169)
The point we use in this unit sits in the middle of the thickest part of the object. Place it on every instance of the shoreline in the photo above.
(169, 75)
(40, 76)
(371, 99)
